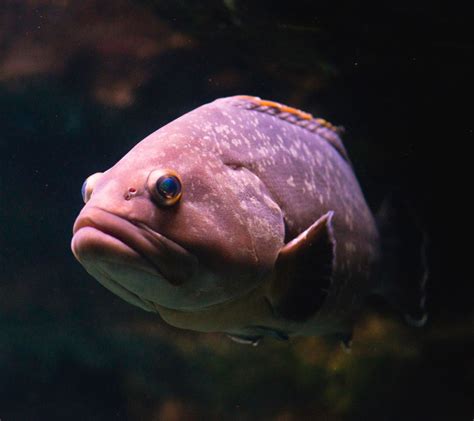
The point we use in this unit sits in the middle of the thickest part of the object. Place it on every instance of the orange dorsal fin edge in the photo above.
(300, 118)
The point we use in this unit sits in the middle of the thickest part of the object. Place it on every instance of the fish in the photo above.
(243, 216)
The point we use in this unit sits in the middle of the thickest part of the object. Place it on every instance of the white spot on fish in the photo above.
(350, 247)
(293, 151)
(309, 186)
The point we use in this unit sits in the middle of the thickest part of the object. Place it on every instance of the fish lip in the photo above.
(152, 246)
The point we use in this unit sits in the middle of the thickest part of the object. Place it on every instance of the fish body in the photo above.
(270, 235)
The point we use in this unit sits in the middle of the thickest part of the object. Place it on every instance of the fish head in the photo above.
(172, 225)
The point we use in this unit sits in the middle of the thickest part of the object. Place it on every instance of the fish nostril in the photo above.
(130, 193)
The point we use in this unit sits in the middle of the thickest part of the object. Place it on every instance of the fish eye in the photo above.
(88, 186)
(165, 186)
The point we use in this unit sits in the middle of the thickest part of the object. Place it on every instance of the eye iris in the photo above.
(168, 186)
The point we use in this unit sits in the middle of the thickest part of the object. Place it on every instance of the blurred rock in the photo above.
(112, 41)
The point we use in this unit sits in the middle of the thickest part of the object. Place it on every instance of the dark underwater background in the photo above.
(82, 81)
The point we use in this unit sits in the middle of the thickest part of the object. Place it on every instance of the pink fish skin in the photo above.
(243, 216)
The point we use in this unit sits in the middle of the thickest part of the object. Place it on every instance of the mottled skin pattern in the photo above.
(252, 181)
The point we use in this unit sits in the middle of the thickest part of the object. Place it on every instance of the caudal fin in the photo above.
(403, 271)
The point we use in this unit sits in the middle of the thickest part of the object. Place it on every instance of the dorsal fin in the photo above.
(319, 126)
(322, 127)
(276, 105)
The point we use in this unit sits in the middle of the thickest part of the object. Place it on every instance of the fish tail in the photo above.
(403, 270)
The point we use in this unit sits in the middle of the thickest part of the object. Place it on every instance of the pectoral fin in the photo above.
(245, 340)
(303, 271)
(258, 332)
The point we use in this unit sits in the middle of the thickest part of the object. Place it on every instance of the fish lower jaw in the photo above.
(90, 245)
(119, 268)
(166, 257)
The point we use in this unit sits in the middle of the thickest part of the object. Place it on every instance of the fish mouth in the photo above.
(129, 258)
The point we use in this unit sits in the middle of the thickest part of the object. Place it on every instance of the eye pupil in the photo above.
(168, 186)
